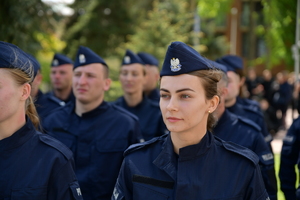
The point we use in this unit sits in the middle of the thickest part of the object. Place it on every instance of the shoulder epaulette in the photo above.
(137, 146)
(122, 110)
(243, 151)
(252, 110)
(249, 123)
(48, 140)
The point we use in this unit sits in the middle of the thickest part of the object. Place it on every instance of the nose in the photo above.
(81, 80)
(172, 104)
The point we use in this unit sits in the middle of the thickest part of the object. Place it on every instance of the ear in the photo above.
(26, 89)
(107, 83)
(224, 92)
(213, 103)
(242, 81)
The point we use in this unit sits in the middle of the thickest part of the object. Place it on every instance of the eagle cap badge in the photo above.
(82, 58)
(175, 65)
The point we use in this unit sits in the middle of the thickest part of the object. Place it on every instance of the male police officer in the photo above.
(132, 78)
(244, 132)
(290, 154)
(96, 132)
(252, 110)
(152, 76)
(61, 80)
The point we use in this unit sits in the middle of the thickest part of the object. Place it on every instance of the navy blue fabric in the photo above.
(148, 59)
(232, 62)
(47, 103)
(211, 169)
(254, 116)
(86, 56)
(13, 57)
(252, 104)
(217, 65)
(231, 127)
(60, 59)
(131, 58)
(149, 115)
(290, 153)
(97, 139)
(154, 95)
(35, 63)
(182, 59)
(35, 166)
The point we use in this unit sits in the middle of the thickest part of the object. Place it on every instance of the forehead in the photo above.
(132, 67)
(5, 76)
(181, 81)
(95, 68)
(64, 67)
(232, 75)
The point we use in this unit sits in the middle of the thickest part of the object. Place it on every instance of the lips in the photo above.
(173, 119)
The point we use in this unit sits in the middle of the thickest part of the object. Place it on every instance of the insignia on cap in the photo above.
(82, 58)
(126, 59)
(55, 62)
(175, 65)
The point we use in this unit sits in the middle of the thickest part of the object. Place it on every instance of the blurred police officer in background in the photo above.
(290, 156)
(244, 132)
(132, 77)
(242, 107)
(152, 76)
(33, 165)
(96, 132)
(189, 163)
(61, 81)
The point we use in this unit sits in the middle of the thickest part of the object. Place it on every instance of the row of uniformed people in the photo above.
(84, 147)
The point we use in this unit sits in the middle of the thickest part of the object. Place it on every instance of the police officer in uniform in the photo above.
(152, 76)
(61, 80)
(290, 154)
(189, 162)
(96, 132)
(244, 132)
(132, 77)
(251, 111)
(33, 165)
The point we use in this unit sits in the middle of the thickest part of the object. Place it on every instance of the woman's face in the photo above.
(132, 78)
(10, 96)
(183, 103)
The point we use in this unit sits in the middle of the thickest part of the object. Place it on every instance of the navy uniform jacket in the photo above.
(154, 95)
(211, 169)
(256, 117)
(244, 132)
(290, 153)
(35, 166)
(149, 115)
(46, 103)
(97, 139)
(249, 103)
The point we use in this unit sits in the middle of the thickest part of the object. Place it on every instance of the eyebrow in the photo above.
(177, 91)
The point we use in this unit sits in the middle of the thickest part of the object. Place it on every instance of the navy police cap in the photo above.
(86, 56)
(35, 63)
(217, 65)
(148, 59)
(60, 59)
(182, 59)
(13, 57)
(131, 58)
(231, 62)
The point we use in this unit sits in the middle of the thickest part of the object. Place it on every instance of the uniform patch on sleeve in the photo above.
(76, 191)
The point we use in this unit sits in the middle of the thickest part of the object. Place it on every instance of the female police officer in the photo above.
(189, 163)
(32, 165)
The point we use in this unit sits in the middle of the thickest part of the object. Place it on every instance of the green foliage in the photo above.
(211, 9)
(280, 30)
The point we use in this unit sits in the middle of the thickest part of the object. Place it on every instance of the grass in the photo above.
(277, 164)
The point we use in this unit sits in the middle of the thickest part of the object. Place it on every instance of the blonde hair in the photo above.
(209, 80)
(21, 78)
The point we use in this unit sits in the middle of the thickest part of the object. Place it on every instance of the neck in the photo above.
(219, 111)
(181, 140)
(231, 102)
(81, 108)
(133, 100)
(63, 94)
(12, 124)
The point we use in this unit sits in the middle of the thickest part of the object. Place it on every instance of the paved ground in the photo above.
(277, 141)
